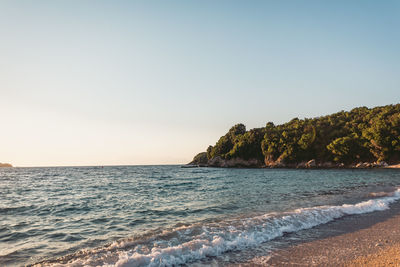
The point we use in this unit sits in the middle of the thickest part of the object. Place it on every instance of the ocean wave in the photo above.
(189, 243)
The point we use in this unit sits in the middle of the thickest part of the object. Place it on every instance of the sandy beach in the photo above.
(362, 240)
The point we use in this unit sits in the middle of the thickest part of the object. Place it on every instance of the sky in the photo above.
(155, 82)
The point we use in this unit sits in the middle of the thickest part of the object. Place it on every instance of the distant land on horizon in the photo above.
(363, 137)
(3, 165)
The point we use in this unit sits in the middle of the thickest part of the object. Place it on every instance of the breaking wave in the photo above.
(188, 243)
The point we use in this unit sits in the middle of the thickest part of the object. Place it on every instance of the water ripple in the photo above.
(52, 212)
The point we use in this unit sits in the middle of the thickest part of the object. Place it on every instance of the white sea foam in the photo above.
(190, 243)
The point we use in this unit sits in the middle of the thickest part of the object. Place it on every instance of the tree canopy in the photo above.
(361, 134)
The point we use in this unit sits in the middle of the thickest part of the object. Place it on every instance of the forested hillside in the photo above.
(360, 135)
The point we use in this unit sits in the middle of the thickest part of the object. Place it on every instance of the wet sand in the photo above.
(371, 239)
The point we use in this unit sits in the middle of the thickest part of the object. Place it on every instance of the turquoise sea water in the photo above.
(167, 215)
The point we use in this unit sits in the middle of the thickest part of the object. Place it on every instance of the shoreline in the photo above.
(370, 239)
(394, 166)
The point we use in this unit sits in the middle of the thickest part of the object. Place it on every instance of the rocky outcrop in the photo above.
(279, 163)
(199, 160)
(301, 165)
(367, 165)
(311, 164)
(327, 165)
(234, 163)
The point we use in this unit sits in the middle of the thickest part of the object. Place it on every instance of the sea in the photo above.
(172, 216)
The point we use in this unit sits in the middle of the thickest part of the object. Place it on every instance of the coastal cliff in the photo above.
(360, 138)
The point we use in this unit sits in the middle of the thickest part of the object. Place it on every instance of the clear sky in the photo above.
(155, 82)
